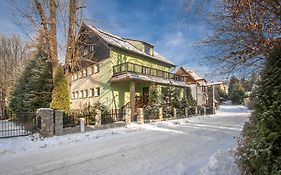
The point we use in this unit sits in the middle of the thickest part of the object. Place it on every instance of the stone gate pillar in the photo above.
(51, 122)
(46, 116)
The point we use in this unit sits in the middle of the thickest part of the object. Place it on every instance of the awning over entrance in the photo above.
(149, 78)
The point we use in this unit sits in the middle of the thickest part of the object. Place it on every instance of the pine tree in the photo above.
(60, 96)
(34, 87)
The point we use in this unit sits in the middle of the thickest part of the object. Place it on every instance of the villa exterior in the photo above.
(117, 72)
(197, 84)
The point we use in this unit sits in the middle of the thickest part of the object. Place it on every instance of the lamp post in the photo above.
(214, 98)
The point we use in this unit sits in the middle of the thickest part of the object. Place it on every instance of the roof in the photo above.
(142, 77)
(215, 83)
(118, 42)
(145, 42)
(193, 74)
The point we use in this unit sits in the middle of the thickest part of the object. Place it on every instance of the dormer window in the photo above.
(147, 50)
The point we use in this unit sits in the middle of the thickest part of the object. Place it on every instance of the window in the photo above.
(95, 69)
(82, 94)
(85, 72)
(91, 48)
(73, 95)
(86, 93)
(97, 92)
(92, 92)
(147, 50)
(76, 95)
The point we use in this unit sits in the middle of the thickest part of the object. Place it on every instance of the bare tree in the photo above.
(13, 58)
(71, 49)
(244, 32)
(57, 18)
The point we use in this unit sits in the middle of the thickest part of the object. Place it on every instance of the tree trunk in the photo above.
(53, 36)
(71, 36)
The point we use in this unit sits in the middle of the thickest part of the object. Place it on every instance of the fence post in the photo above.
(58, 122)
(204, 109)
(175, 112)
(186, 111)
(128, 116)
(98, 118)
(82, 125)
(140, 116)
(161, 113)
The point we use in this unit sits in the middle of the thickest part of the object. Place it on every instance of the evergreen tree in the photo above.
(60, 95)
(34, 87)
(188, 96)
(154, 103)
(260, 151)
(236, 92)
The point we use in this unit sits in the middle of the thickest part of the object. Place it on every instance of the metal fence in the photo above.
(17, 124)
(108, 116)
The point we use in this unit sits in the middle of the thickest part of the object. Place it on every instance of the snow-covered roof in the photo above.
(194, 75)
(215, 83)
(118, 42)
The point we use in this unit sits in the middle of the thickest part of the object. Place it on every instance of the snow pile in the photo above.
(221, 163)
(26, 143)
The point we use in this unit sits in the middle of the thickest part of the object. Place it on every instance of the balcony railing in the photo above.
(136, 68)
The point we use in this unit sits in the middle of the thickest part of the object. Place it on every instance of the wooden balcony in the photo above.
(140, 69)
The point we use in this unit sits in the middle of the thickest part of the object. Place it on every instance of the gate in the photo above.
(17, 124)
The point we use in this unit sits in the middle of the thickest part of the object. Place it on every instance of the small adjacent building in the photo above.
(118, 72)
(197, 85)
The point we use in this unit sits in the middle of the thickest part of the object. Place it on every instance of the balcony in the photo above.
(136, 68)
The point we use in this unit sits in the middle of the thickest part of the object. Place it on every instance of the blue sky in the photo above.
(163, 23)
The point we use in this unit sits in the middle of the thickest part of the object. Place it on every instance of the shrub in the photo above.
(260, 148)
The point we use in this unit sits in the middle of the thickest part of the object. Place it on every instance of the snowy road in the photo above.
(175, 147)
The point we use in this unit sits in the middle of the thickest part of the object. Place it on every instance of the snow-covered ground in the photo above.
(197, 145)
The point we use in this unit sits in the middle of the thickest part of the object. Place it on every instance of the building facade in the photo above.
(197, 84)
(117, 72)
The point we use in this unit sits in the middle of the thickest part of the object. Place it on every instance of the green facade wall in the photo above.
(116, 95)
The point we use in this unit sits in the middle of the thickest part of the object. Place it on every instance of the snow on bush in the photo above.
(221, 163)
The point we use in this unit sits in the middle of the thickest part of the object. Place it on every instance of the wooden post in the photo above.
(133, 98)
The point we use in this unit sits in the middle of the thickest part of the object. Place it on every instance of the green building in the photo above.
(117, 72)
